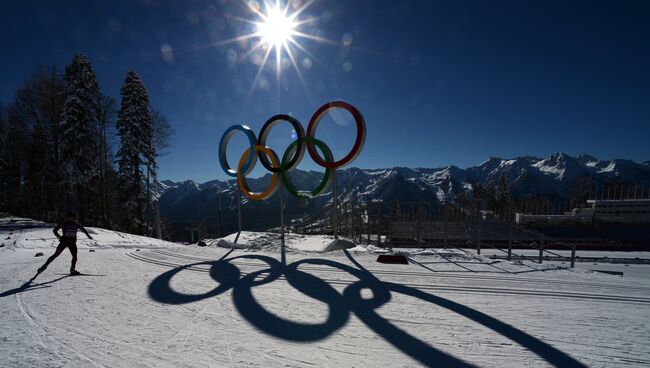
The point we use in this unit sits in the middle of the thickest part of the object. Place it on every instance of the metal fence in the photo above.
(422, 224)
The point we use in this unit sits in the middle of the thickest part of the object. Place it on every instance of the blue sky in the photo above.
(438, 83)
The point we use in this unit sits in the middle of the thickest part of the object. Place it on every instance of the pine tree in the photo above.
(477, 192)
(581, 189)
(134, 128)
(108, 113)
(490, 197)
(149, 155)
(503, 196)
(79, 135)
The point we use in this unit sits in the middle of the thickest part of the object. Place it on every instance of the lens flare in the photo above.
(276, 28)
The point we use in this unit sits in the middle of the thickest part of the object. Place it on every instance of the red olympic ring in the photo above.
(358, 143)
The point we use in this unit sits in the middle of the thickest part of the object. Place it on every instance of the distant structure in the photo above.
(599, 211)
(198, 231)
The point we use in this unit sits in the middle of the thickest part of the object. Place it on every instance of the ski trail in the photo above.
(30, 319)
(29, 316)
(441, 274)
(458, 289)
(229, 354)
(69, 329)
(116, 323)
(189, 324)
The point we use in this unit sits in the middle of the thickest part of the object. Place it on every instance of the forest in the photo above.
(66, 147)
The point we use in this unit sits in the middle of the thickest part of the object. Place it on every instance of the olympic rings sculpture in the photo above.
(280, 168)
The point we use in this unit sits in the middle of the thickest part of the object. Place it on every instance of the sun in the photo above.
(276, 28)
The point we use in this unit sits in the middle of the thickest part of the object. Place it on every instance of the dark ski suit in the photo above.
(68, 240)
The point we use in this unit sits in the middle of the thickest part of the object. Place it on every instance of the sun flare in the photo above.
(276, 28)
(277, 33)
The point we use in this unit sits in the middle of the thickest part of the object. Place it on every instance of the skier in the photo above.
(68, 240)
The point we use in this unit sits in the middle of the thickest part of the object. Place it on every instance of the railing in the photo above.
(422, 224)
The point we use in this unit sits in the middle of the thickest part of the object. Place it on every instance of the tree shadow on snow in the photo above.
(341, 305)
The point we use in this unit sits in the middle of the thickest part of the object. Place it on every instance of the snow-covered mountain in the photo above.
(553, 177)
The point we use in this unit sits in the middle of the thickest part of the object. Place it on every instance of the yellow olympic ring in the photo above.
(241, 178)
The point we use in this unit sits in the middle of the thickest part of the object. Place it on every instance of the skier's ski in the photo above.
(80, 274)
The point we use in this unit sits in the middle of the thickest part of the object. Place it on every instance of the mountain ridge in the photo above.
(555, 177)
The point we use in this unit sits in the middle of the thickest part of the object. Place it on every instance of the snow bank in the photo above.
(24, 233)
(271, 241)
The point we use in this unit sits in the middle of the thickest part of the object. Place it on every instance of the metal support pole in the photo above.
(419, 222)
(351, 226)
(445, 226)
(478, 241)
(541, 250)
(573, 256)
(220, 229)
(283, 259)
(378, 229)
(282, 215)
(335, 205)
(368, 227)
(238, 214)
(512, 225)
(390, 229)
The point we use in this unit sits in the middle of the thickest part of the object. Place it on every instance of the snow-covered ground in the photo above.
(23, 233)
(252, 240)
(156, 304)
(627, 263)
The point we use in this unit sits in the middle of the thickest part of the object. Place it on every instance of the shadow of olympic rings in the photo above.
(340, 306)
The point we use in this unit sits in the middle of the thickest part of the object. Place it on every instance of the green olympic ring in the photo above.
(284, 174)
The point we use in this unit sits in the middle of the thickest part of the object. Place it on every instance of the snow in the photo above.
(187, 306)
(550, 169)
(269, 241)
(611, 167)
(16, 232)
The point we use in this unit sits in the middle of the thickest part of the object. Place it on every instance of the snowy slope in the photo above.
(217, 307)
(16, 232)
(148, 303)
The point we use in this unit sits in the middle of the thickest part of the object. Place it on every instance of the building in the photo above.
(597, 211)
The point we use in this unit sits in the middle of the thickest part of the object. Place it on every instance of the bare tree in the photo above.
(162, 132)
(36, 111)
(162, 140)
